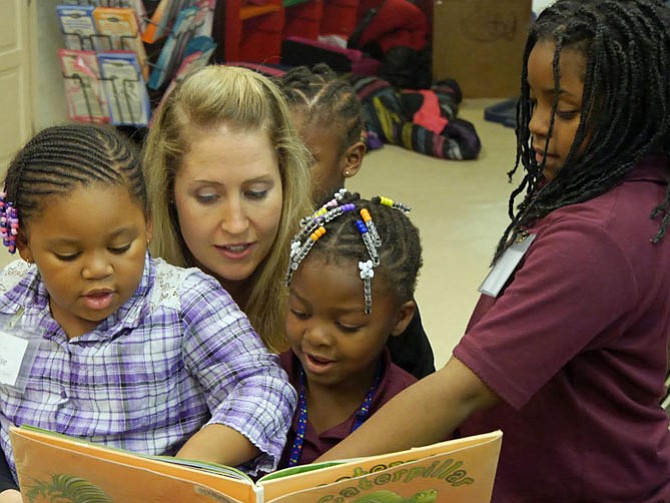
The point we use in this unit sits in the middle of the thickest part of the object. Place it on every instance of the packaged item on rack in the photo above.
(136, 5)
(120, 26)
(205, 21)
(140, 11)
(78, 27)
(84, 95)
(173, 50)
(125, 88)
(197, 54)
(163, 18)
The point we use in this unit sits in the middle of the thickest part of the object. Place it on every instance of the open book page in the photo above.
(52, 465)
(49, 463)
(457, 471)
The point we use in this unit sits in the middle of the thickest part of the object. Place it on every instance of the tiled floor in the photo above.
(460, 208)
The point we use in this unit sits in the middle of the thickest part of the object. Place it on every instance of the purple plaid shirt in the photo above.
(178, 355)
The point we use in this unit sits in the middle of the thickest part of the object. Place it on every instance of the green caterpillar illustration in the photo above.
(63, 488)
(426, 496)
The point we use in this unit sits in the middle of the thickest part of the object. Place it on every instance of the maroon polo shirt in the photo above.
(576, 347)
(393, 381)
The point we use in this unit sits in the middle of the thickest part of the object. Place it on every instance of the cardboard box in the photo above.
(480, 44)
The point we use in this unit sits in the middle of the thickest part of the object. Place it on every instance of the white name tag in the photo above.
(504, 267)
(12, 351)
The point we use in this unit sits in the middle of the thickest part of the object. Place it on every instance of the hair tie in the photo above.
(366, 273)
(299, 252)
(9, 223)
(312, 228)
(386, 201)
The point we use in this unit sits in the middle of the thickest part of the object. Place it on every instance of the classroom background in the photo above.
(459, 206)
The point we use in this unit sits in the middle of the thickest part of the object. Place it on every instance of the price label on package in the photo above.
(12, 352)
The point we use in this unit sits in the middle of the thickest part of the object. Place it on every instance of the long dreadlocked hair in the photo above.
(324, 98)
(400, 251)
(625, 104)
(61, 158)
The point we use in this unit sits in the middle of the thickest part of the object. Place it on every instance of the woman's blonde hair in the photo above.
(243, 100)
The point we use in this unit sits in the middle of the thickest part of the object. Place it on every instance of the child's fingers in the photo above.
(10, 496)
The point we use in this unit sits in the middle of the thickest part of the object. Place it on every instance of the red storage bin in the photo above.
(303, 18)
(339, 17)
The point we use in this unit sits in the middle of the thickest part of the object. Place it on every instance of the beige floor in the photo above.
(460, 209)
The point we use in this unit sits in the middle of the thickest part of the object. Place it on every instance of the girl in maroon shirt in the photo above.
(567, 349)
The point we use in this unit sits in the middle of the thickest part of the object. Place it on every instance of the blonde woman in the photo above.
(228, 179)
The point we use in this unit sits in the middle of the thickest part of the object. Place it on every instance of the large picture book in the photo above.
(51, 465)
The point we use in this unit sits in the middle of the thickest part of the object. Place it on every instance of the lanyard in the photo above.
(361, 414)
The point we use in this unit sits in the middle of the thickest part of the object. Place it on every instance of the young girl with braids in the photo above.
(329, 118)
(129, 351)
(566, 350)
(351, 283)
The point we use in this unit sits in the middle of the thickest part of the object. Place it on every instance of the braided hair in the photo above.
(324, 98)
(61, 158)
(625, 104)
(399, 253)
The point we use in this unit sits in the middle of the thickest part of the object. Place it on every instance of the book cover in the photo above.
(51, 465)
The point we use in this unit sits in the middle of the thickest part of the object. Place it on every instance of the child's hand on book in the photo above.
(10, 496)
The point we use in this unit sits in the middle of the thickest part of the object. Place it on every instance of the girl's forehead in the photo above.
(572, 65)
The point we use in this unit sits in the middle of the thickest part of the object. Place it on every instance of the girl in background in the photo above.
(329, 118)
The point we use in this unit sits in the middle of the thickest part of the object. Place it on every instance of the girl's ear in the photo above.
(24, 248)
(353, 159)
(404, 315)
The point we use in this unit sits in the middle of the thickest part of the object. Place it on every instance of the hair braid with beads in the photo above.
(325, 98)
(61, 158)
(625, 104)
(400, 251)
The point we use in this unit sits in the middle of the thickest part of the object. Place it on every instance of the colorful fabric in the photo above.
(428, 114)
(178, 355)
(389, 114)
